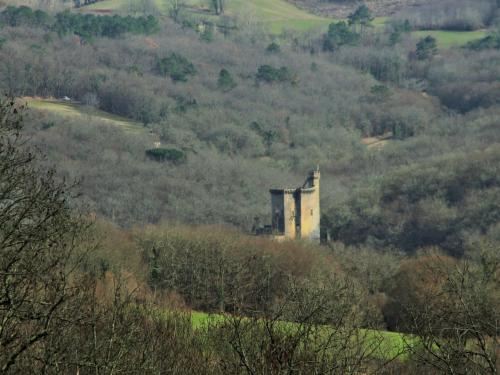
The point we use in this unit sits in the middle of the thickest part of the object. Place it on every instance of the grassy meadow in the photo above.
(449, 39)
(389, 345)
(80, 111)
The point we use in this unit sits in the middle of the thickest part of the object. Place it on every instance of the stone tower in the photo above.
(296, 212)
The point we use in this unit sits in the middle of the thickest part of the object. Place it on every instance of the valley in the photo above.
(153, 212)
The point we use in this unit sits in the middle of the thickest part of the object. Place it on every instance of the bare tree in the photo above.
(314, 329)
(39, 240)
(459, 325)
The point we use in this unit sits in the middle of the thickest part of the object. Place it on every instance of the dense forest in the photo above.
(137, 150)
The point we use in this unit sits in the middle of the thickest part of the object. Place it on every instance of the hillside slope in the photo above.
(242, 118)
(341, 9)
(78, 111)
(277, 14)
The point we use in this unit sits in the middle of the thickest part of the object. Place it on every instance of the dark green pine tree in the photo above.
(426, 48)
(362, 16)
(226, 81)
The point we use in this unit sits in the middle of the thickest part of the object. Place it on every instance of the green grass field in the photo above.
(104, 5)
(448, 39)
(279, 14)
(392, 344)
(72, 110)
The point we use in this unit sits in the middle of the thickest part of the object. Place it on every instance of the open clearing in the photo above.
(277, 13)
(74, 110)
(448, 39)
(377, 142)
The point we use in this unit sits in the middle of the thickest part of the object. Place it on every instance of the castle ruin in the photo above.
(295, 212)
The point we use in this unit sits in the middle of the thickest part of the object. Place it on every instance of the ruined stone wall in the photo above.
(309, 208)
(289, 215)
(277, 209)
(283, 211)
(296, 212)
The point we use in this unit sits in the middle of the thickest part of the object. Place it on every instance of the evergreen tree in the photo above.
(273, 48)
(339, 34)
(426, 48)
(177, 67)
(269, 74)
(225, 81)
(361, 16)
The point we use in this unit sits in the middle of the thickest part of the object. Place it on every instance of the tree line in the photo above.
(83, 25)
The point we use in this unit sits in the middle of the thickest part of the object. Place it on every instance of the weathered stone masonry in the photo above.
(296, 212)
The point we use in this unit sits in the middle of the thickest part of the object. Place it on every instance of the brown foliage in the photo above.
(216, 268)
(418, 285)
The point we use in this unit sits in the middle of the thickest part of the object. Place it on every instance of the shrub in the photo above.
(489, 42)
(273, 48)
(47, 125)
(338, 35)
(176, 66)
(207, 35)
(269, 74)
(414, 287)
(426, 48)
(167, 154)
(225, 81)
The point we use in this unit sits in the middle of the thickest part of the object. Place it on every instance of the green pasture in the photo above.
(448, 39)
(390, 344)
(277, 27)
(271, 10)
(380, 21)
(105, 5)
(279, 14)
(73, 110)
